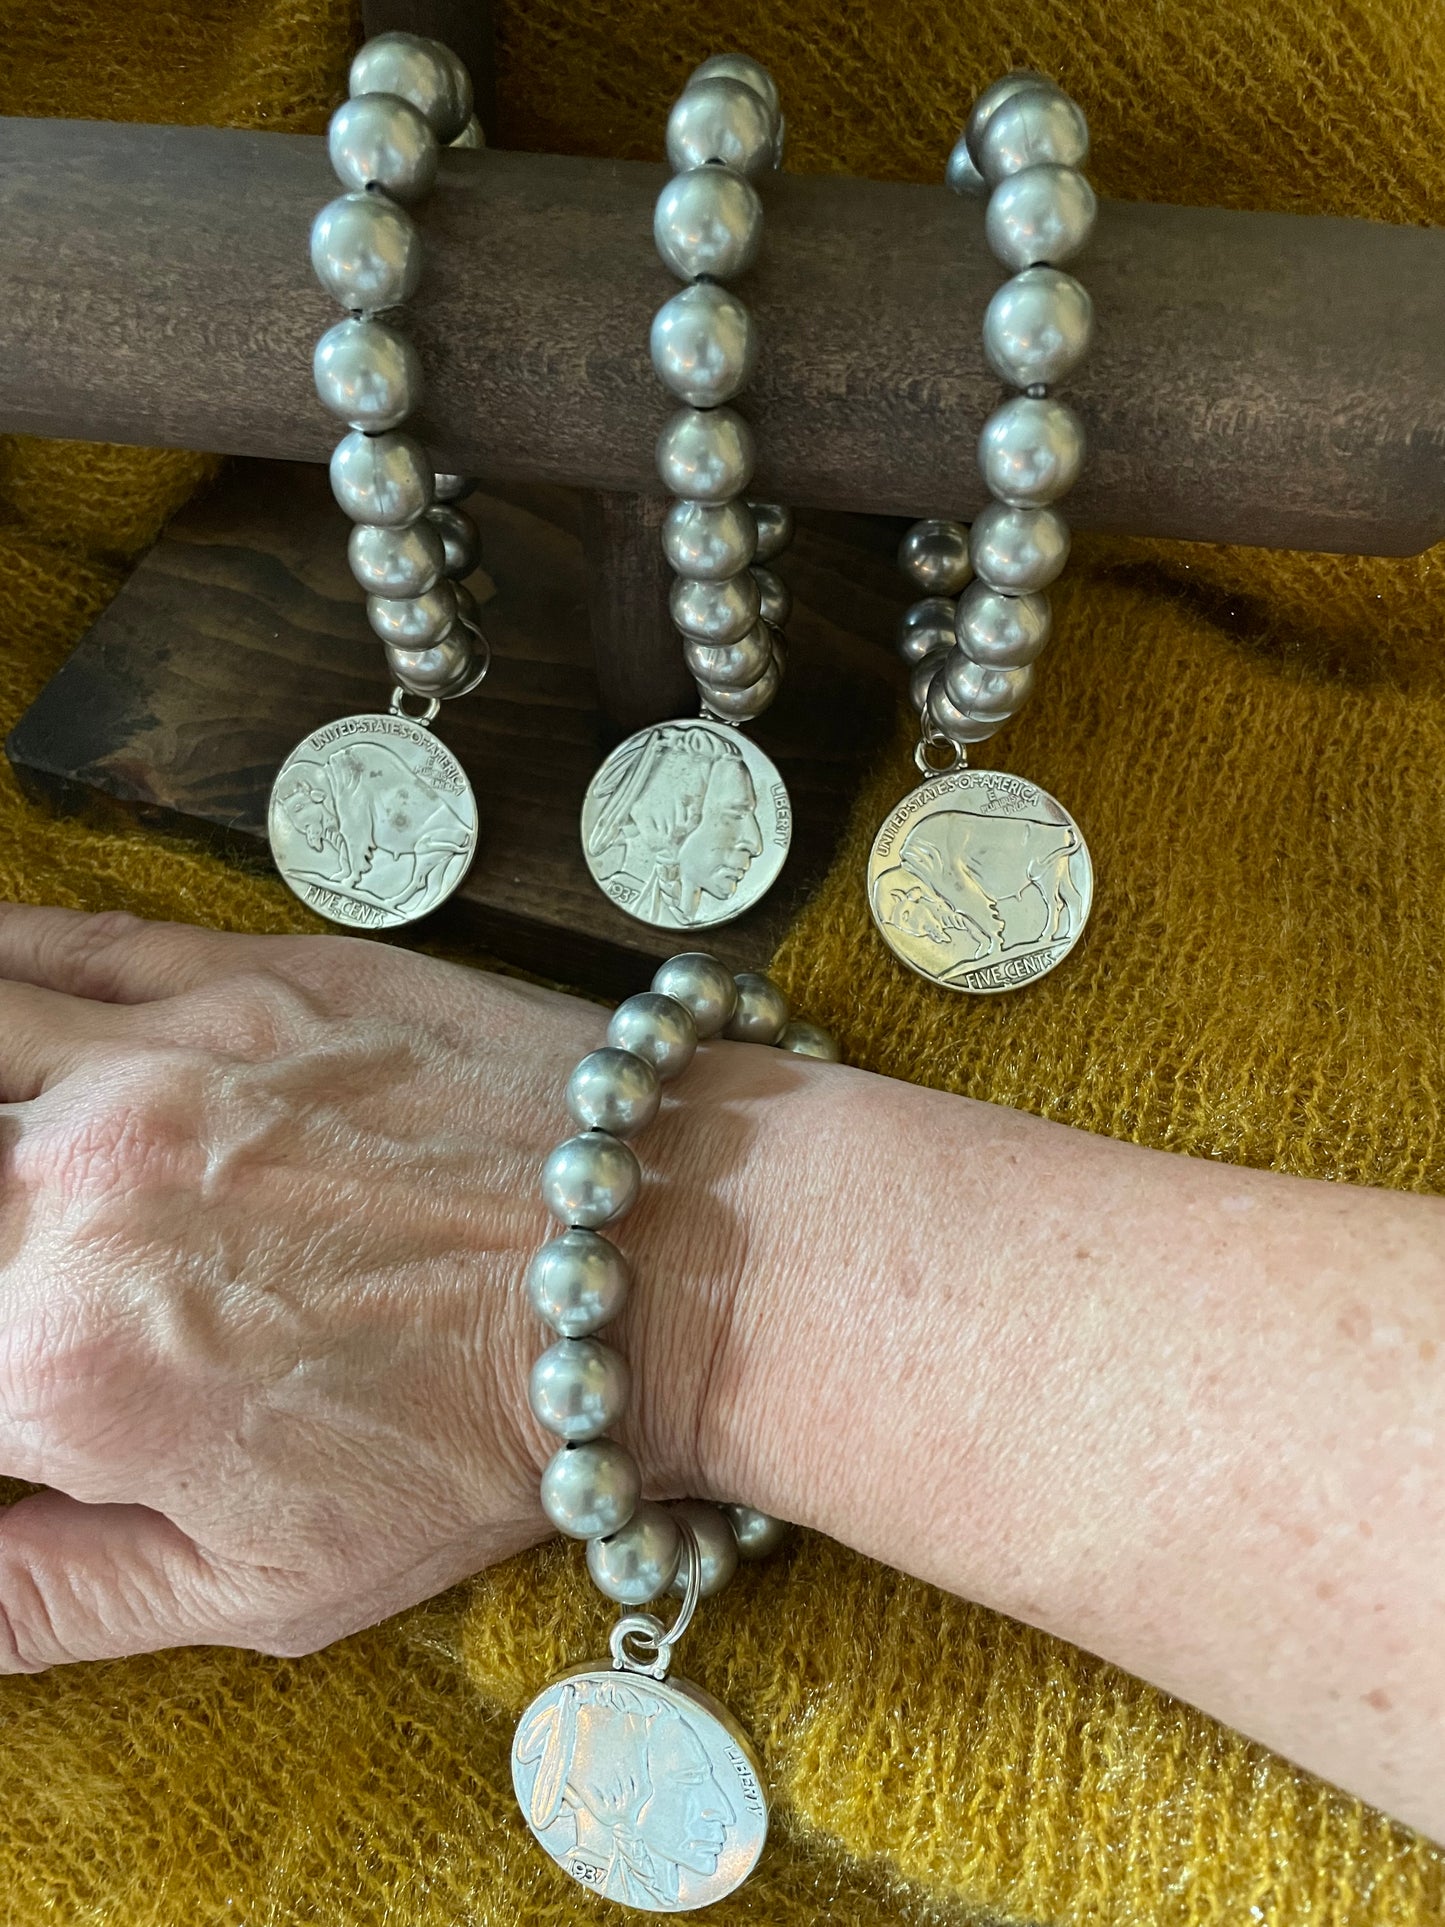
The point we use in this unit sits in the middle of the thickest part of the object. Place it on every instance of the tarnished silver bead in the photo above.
(591, 1490)
(657, 1029)
(413, 622)
(774, 522)
(366, 251)
(578, 1387)
(453, 488)
(716, 612)
(590, 1179)
(702, 986)
(639, 1562)
(984, 694)
(944, 715)
(761, 1010)
(1002, 631)
(758, 1534)
(395, 562)
(613, 1090)
(730, 665)
(993, 97)
(709, 540)
(717, 1550)
(705, 454)
(424, 72)
(776, 603)
(1037, 127)
(381, 140)
(925, 626)
(1030, 451)
(367, 374)
(961, 174)
(1018, 550)
(382, 479)
(721, 119)
(704, 344)
(1042, 217)
(578, 1282)
(742, 705)
(455, 663)
(708, 221)
(934, 555)
(809, 1040)
(472, 135)
(741, 67)
(460, 542)
(1037, 328)
(920, 677)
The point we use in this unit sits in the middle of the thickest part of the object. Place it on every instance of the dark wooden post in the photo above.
(641, 675)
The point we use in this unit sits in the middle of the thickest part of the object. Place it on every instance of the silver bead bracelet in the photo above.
(980, 880)
(371, 819)
(724, 133)
(641, 1786)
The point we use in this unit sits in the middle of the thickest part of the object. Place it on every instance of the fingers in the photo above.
(45, 1036)
(113, 958)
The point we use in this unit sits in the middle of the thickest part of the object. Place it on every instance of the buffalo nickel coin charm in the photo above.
(372, 821)
(645, 1790)
(686, 824)
(980, 881)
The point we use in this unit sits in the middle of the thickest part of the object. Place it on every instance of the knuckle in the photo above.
(255, 1013)
(96, 944)
(28, 1642)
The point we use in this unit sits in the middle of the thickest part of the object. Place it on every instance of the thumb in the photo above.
(84, 1581)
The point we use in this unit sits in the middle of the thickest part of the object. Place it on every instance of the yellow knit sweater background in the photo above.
(1255, 745)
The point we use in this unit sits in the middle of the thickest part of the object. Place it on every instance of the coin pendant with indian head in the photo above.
(686, 824)
(372, 821)
(980, 881)
(645, 1790)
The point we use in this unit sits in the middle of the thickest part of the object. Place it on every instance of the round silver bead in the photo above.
(709, 540)
(657, 1029)
(413, 622)
(366, 251)
(578, 1387)
(395, 562)
(761, 1010)
(367, 374)
(934, 555)
(450, 666)
(708, 221)
(1018, 551)
(453, 488)
(590, 1179)
(742, 705)
(730, 665)
(705, 455)
(758, 1534)
(776, 603)
(715, 612)
(704, 345)
(1030, 451)
(925, 626)
(615, 1091)
(741, 67)
(467, 608)
(1002, 631)
(1037, 328)
(809, 1040)
(702, 986)
(472, 135)
(961, 174)
(381, 140)
(639, 1562)
(578, 1282)
(984, 694)
(721, 119)
(460, 543)
(1042, 217)
(422, 71)
(1037, 127)
(920, 677)
(949, 720)
(382, 479)
(717, 1550)
(774, 522)
(591, 1490)
(1021, 80)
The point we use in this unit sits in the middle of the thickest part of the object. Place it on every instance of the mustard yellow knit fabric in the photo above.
(1254, 744)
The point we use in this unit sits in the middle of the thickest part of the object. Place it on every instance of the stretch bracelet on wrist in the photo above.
(659, 787)
(372, 820)
(980, 880)
(641, 1786)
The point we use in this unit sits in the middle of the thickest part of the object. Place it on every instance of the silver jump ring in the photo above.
(428, 715)
(646, 1627)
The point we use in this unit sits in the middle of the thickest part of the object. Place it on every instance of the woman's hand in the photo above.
(265, 1212)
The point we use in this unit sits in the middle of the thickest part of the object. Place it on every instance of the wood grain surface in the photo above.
(242, 630)
(1259, 378)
